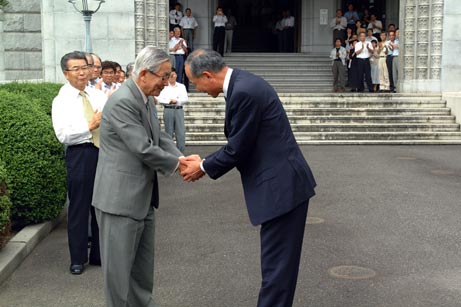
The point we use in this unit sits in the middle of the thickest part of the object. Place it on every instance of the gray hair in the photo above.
(201, 60)
(149, 58)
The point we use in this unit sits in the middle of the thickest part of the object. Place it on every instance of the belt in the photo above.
(178, 54)
(383, 56)
(172, 107)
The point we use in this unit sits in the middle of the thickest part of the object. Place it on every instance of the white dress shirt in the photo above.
(173, 42)
(288, 22)
(341, 25)
(220, 21)
(177, 92)
(188, 23)
(365, 54)
(69, 123)
(395, 52)
(378, 24)
(175, 17)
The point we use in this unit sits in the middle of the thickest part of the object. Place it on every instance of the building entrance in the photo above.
(256, 24)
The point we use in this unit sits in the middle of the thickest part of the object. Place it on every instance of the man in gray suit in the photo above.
(133, 150)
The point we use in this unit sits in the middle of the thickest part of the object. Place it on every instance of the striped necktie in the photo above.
(88, 112)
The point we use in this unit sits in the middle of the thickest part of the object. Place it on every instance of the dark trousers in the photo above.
(364, 70)
(341, 34)
(389, 61)
(179, 66)
(281, 243)
(218, 39)
(288, 39)
(81, 162)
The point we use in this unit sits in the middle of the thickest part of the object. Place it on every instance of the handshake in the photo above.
(189, 168)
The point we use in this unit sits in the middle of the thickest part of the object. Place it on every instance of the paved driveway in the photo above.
(384, 230)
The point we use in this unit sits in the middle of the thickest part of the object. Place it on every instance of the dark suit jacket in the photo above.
(133, 150)
(275, 176)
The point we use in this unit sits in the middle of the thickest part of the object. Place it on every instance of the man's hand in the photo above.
(173, 101)
(95, 120)
(190, 168)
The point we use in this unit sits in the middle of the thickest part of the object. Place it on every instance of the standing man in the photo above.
(188, 25)
(173, 97)
(133, 150)
(338, 56)
(277, 180)
(364, 50)
(395, 59)
(219, 34)
(230, 27)
(339, 25)
(390, 59)
(94, 62)
(375, 25)
(178, 48)
(76, 114)
(352, 17)
(175, 16)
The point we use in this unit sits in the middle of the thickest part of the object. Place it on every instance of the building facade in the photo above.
(36, 33)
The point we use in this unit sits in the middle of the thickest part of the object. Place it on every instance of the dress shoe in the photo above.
(76, 269)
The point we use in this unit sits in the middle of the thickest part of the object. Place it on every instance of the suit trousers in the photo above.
(81, 162)
(179, 66)
(395, 70)
(173, 120)
(127, 250)
(364, 70)
(189, 37)
(218, 40)
(228, 41)
(281, 243)
(339, 75)
(389, 61)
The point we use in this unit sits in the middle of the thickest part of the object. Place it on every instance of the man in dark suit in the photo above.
(133, 150)
(276, 178)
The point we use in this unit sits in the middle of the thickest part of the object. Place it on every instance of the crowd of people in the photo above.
(364, 49)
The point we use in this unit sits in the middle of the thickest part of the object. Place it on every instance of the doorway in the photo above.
(256, 21)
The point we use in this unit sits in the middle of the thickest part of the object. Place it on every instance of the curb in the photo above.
(23, 243)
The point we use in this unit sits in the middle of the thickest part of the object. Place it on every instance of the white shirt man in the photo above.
(219, 20)
(375, 25)
(188, 22)
(364, 53)
(339, 22)
(173, 97)
(175, 16)
(69, 121)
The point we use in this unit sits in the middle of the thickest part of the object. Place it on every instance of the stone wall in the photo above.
(21, 41)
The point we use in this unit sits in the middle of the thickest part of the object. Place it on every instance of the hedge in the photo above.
(33, 159)
(5, 206)
(42, 92)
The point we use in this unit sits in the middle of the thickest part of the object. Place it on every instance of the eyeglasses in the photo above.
(78, 68)
(165, 77)
(110, 72)
(97, 66)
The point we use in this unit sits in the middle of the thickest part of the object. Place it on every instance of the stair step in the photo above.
(204, 120)
(210, 136)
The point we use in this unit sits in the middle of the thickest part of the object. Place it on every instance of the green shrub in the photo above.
(33, 159)
(5, 206)
(42, 92)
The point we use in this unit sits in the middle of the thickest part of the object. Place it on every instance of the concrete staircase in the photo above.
(287, 72)
(349, 118)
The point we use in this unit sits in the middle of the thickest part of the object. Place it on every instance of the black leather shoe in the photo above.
(76, 269)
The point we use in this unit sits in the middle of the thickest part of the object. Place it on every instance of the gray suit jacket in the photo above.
(132, 151)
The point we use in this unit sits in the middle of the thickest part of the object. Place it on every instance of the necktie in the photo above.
(88, 112)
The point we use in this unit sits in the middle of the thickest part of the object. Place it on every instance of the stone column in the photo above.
(2, 48)
(421, 45)
(151, 23)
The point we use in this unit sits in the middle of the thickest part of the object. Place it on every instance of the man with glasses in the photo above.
(108, 76)
(133, 150)
(76, 114)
